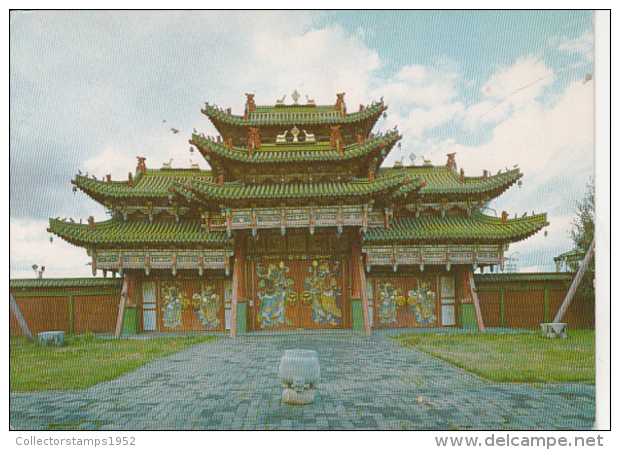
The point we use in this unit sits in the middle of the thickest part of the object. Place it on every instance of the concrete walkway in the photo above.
(367, 383)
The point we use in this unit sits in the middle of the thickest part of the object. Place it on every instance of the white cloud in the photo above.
(510, 90)
(583, 45)
(523, 80)
(111, 160)
(540, 140)
(421, 99)
(554, 148)
(421, 86)
(30, 244)
(318, 63)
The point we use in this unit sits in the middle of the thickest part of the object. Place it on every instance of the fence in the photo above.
(525, 300)
(81, 305)
(72, 305)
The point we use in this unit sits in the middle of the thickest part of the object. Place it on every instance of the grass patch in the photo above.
(85, 361)
(514, 357)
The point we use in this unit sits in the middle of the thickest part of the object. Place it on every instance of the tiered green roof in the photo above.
(153, 186)
(440, 182)
(139, 233)
(156, 186)
(456, 229)
(295, 153)
(297, 114)
(452, 229)
(573, 255)
(237, 194)
(278, 172)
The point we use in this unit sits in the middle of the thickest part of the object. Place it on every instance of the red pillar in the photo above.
(125, 296)
(359, 283)
(238, 282)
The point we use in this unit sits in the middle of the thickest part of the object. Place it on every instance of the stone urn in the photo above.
(299, 372)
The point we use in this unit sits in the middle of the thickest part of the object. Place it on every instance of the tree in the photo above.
(583, 235)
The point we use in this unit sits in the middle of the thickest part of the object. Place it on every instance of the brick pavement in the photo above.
(367, 383)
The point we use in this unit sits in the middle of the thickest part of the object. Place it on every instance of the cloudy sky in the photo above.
(90, 91)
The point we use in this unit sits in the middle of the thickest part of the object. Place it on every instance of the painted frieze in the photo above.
(323, 292)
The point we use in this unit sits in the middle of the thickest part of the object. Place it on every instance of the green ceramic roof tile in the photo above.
(302, 153)
(476, 227)
(572, 255)
(116, 231)
(300, 115)
(522, 277)
(55, 283)
(153, 185)
(440, 181)
(237, 191)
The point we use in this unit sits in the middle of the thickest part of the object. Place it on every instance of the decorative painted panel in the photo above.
(389, 300)
(323, 292)
(191, 305)
(162, 259)
(175, 301)
(422, 300)
(275, 292)
(207, 304)
(448, 300)
(405, 301)
(308, 217)
(438, 254)
(292, 293)
(447, 288)
(298, 244)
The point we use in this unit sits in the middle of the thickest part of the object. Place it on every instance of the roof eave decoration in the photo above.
(237, 194)
(381, 144)
(440, 182)
(136, 190)
(116, 231)
(219, 116)
(475, 228)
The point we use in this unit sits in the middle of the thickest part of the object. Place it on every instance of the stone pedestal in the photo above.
(56, 338)
(553, 330)
(294, 397)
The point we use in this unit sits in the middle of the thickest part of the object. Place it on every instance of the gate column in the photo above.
(359, 284)
(238, 283)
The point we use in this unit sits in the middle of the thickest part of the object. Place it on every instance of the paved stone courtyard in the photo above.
(367, 383)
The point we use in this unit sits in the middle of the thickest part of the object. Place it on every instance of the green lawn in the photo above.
(85, 361)
(514, 357)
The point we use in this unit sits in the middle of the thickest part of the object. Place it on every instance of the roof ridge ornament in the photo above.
(295, 132)
(295, 97)
(340, 105)
(451, 164)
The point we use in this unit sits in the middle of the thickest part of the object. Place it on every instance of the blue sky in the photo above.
(90, 91)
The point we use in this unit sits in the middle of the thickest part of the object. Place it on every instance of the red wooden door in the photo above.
(405, 301)
(191, 305)
(293, 294)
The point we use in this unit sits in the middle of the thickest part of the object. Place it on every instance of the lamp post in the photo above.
(511, 266)
(37, 271)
